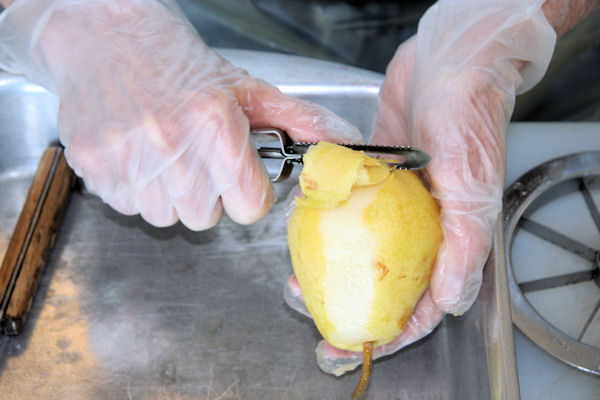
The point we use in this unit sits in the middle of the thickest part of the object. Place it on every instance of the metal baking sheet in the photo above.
(129, 311)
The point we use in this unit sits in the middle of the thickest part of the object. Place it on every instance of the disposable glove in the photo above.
(450, 91)
(154, 121)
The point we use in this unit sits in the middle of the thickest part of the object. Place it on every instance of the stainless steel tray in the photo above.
(126, 310)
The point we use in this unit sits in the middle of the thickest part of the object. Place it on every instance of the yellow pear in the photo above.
(363, 239)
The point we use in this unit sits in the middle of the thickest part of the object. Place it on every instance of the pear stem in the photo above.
(365, 372)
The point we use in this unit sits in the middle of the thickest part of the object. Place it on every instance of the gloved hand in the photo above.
(154, 121)
(450, 91)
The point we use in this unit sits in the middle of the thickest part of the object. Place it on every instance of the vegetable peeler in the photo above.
(273, 143)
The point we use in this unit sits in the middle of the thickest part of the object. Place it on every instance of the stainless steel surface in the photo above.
(274, 144)
(126, 310)
(518, 201)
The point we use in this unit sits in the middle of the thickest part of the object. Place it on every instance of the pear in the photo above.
(363, 238)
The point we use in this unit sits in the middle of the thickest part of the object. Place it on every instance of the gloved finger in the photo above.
(251, 195)
(290, 203)
(423, 321)
(391, 126)
(219, 166)
(465, 139)
(293, 296)
(248, 194)
(191, 189)
(267, 106)
(199, 208)
(457, 274)
(97, 172)
(155, 206)
(467, 223)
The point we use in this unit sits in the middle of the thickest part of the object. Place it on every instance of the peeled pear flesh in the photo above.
(363, 238)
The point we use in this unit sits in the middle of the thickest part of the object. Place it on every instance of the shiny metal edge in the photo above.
(504, 380)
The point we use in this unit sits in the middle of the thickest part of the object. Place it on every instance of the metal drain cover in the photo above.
(538, 187)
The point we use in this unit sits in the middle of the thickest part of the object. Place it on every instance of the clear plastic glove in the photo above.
(154, 121)
(450, 91)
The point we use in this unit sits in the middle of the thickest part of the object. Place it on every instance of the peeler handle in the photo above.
(273, 146)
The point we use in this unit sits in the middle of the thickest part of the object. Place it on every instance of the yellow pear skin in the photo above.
(363, 239)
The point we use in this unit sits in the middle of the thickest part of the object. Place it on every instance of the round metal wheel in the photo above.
(538, 187)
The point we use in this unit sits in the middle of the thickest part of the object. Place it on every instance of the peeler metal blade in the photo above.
(272, 143)
(412, 158)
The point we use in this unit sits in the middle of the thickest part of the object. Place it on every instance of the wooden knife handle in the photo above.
(33, 238)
